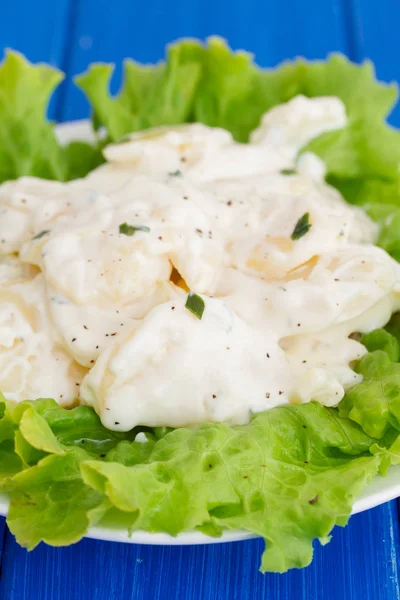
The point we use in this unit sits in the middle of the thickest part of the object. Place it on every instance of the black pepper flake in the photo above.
(115, 333)
(91, 362)
(214, 396)
(336, 279)
(103, 455)
(73, 340)
(229, 203)
(280, 393)
(199, 231)
(97, 347)
(304, 426)
(176, 173)
(84, 327)
(267, 395)
(172, 307)
(306, 462)
(303, 361)
(268, 356)
(116, 422)
(298, 324)
(314, 500)
(185, 197)
(183, 159)
(245, 476)
(160, 238)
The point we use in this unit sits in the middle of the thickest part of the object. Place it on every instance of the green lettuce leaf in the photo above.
(28, 144)
(211, 84)
(375, 402)
(381, 200)
(41, 471)
(380, 339)
(378, 196)
(388, 456)
(227, 94)
(10, 461)
(81, 158)
(290, 476)
(151, 95)
(363, 149)
(290, 490)
(50, 502)
(47, 427)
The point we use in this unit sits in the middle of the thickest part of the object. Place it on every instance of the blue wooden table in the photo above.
(363, 561)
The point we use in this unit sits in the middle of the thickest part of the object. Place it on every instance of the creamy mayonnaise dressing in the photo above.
(95, 274)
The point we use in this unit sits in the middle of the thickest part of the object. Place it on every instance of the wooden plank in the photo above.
(376, 36)
(40, 32)
(360, 563)
(3, 530)
(272, 30)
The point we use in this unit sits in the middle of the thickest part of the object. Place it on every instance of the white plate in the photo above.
(380, 490)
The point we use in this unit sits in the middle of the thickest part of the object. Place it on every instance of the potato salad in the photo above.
(191, 278)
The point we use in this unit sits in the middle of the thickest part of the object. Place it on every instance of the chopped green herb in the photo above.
(195, 304)
(41, 234)
(288, 172)
(132, 229)
(302, 226)
(176, 173)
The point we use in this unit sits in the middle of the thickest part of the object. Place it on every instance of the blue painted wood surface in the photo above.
(359, 564)
(362, 561)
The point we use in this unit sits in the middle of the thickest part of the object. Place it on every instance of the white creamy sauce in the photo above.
(94, 277)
